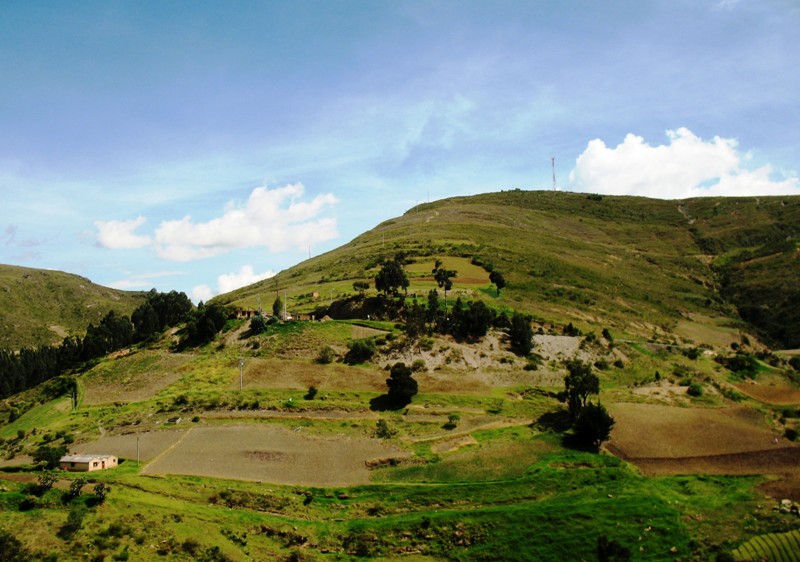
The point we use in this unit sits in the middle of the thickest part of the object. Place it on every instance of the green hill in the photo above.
(41, 307)
(646, 267)
(275, 441)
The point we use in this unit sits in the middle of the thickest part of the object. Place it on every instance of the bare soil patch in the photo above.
(453, 444)
(133, 378)
(670, 440)
(778, 395)
(659, 431)
(300, 374)
(273, 454)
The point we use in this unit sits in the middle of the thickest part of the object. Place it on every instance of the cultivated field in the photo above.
(271, 454)
(778, 395)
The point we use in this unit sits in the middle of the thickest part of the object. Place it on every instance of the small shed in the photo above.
(87, 463)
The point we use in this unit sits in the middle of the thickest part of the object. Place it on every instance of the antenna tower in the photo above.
(553, 162)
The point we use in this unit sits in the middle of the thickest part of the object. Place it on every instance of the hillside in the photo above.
(272, 440)
(686, 270)
(39, 307)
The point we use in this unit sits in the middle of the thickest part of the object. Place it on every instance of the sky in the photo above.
(202, 146)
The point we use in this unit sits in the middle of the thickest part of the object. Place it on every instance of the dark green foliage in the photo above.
(415, 321)
(48, 457)
(360, 351)
(204, 325)
(101, 490)
(695, 390)
(312, 392)
(326, 355)
(145, 321)
(794, 362)
(361, 287)
(611, 551)
(570, 330)
(470, 322)
(521, 334)
(392, 277)
(76, 488)
(607, 335)
(258, 324)
(743, 364)
(277, 307)
(499, 281)
(790, 434)
(579, 384)
(593, 425)
(402, 386)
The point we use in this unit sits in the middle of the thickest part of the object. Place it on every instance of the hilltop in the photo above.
(692, 270)
(42, 307)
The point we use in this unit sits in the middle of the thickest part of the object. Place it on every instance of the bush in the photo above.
(695, 390)
(790, 434)
(326, 355)
(418, 365)
(360, 351)
(383, 431)
(312, 392)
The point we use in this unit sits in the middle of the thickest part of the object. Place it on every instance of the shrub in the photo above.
(360, 351)
(383, 431)
(695, 390)
(312, 392)
(326, 355)
(790, 434)
(418, 365)
(452, 421)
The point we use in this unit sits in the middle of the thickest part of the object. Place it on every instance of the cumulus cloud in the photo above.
(277, 219)
(686, 167)
(230, 282)
(274, 218)
(117, 235)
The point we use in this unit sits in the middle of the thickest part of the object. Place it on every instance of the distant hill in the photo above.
(692, 269)
(39, 307)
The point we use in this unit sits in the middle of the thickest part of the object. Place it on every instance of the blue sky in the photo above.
(200, 146)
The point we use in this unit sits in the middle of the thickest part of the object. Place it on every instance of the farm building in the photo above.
(87, 463)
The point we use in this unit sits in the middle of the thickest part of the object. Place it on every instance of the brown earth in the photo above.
(272, 454)
(778, 395)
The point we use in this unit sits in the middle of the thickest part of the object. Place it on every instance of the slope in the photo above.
(39, 307)
(641, 266)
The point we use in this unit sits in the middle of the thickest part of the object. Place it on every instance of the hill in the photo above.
(41, 307)
(688, 270)
(274, 441)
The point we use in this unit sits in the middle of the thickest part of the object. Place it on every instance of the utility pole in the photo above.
(553, 162)
(284, 306)
(241, 373)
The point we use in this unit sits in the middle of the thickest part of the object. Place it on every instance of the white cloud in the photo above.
(686, 167)
(230, 282)
(273, 218)
(117, 235)
(202, 293)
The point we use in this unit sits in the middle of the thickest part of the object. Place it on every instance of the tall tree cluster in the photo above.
(32, 366)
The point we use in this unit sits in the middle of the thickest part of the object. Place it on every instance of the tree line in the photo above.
(28, 367)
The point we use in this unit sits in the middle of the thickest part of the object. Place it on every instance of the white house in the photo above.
(87, 463)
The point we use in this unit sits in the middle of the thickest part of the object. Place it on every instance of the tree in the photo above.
(360, 351)
(579, 383)
(277, 307)
(443, 278)
(499, 281)
(361, 287)
(49, 457)
(593, 425)
(258, 323)
(521, 334)
(145, 321)
(392, 277)
(402, 386)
